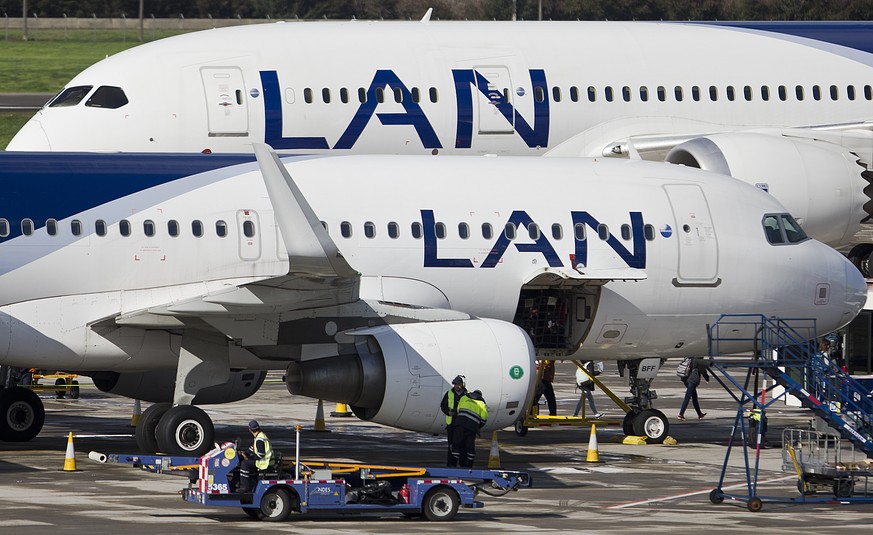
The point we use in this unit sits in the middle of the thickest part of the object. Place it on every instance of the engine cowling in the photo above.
(157, 386)
(399, 373)
(821, 184)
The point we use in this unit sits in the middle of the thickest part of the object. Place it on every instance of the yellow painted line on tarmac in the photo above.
(696, 493)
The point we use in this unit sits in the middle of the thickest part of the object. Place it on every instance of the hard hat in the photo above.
(458, 380)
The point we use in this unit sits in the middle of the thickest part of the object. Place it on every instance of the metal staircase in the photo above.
(785, 350)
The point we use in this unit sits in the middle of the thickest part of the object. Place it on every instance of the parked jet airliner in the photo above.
(375, 279)
(785, 107)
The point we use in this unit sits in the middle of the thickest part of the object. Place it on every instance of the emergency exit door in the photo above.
(494, 91)
(696, 237)
(226, 103)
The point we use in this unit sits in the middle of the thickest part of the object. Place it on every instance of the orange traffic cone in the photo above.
(70, 457)
(593, 456)
(494, 455)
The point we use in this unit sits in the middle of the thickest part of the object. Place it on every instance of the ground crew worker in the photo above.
(472, 415)
(257, 457)
(449, 406)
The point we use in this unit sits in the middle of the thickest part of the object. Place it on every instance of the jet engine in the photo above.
(398, 374)
(157, 386)
(822, 185)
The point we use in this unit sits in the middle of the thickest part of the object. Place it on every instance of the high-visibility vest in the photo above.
(263, 462)
(453, 404)
(473, 409)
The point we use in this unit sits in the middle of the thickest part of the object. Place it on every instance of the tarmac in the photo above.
(657, 488)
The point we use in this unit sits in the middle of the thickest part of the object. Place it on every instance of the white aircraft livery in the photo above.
(782, 106)
(373, 280)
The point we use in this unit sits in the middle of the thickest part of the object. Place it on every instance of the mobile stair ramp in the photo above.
(787, 353)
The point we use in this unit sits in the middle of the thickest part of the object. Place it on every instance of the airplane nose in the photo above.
(856, 291)
(31, 137)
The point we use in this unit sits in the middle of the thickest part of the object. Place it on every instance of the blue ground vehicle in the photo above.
(434, 493)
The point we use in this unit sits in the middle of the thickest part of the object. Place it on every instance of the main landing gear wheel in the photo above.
(147, 426)
(21, 414)
(653, 425)
(627, 426)
(185, 430)
(276, 505)
(441, 504)
(859, 256)
(520, 429)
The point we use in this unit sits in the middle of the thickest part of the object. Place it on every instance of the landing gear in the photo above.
(146, 429)
(859, 256)
(185, 430)
(643, 420)
(21, 414)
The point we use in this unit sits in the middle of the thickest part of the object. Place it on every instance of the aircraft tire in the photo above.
(22, 414)
(185, 430)
(627, 426)
(859, 256)
(653, 425)
(146, 428)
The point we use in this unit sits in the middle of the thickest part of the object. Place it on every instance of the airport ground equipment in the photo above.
(533, 418)
(328, 487)
(786, 353)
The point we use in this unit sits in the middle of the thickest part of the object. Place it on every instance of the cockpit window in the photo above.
(107, 96)
(782, 229)
(793, 231)
(70, 96)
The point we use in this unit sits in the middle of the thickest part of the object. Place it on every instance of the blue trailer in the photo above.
(329, 487)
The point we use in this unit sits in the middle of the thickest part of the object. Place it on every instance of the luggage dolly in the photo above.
(301, 488)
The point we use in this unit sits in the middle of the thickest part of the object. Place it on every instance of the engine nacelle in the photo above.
(820, 184)
(400, 372)
(157, 386)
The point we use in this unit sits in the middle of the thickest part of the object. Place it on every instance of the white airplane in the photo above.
(376, 279)
(785, 107)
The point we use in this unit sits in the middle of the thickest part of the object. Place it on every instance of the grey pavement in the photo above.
(651, 487)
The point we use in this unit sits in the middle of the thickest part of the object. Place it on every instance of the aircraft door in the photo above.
(249, 238)
(226, 104)
(698, 244)
(498, 90)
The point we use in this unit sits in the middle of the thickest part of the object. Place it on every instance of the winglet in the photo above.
(426, 17)
(310, 248)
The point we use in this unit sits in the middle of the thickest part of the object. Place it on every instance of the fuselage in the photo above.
(654, 252)
(574, 88)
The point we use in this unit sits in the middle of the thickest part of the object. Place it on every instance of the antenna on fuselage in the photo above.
(426, 17)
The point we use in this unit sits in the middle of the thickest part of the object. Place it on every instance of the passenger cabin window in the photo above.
(440, 230)
(533, 231)
(644, 93)
(835, 93)
(4, 228)
(220, 228)
(850, 92)
(556, 94)
(325, 95)
(124, 227)
(574, 93)
(607, 92)
(783, 93)
(393, 230)
(416, 95)
(197, 228)
(148, 227)
(816, 92)
(626, 93)
(370, 229)
(380, 95)
(662, 93)
(579, 232)
(416, 230)
(487, 231)
(362, 95)
(464, 231)
(677, 92)
(249, 229)
(649, 232)
(539, 94)
(107, 97)
(173, 228)
(603, 232)
(509, 231)
(76, 227)
(765, 93)
(344, 95)
(27, 227)
(626, 232)
(346, 229)
(70, 96)
(100, 227)
(695, 93)
(592, 94)
(434, 95)
(307, 95)
(398, 95)
(557, 231)
(51, 227)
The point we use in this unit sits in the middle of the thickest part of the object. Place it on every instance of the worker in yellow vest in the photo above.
(449, 406)
(257, 457)
(472, 416)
